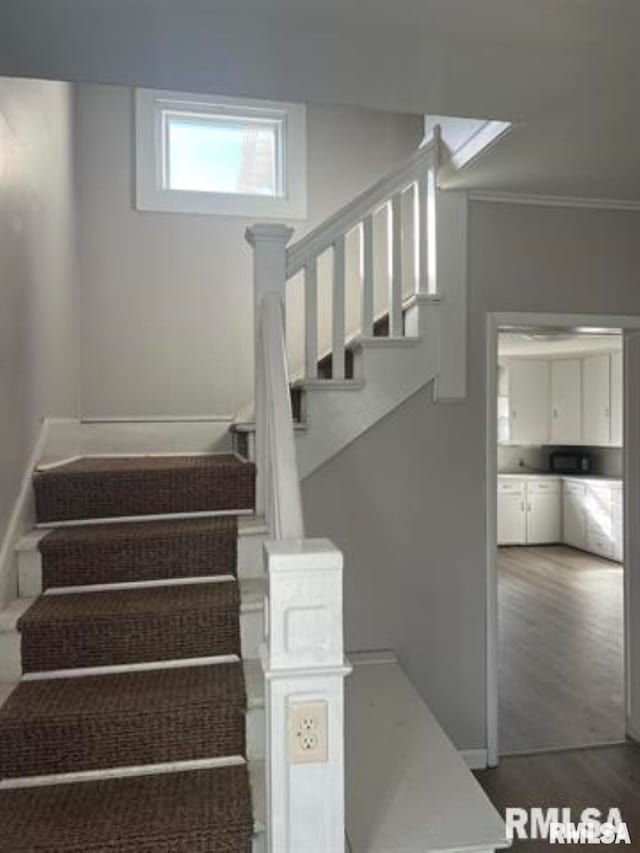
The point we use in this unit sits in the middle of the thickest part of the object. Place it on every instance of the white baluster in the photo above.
(311, 319)
(366, 248)
(422, 243)
(338, 330)
(395, 284)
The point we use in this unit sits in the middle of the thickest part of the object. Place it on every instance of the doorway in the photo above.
(557, 544)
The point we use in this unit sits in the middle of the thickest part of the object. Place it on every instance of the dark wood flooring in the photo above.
(561, 670)
(599, 777)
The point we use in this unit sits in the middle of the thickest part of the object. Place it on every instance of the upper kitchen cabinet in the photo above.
(566, 401)
(616, 399)
(529, 401)
(596, 400)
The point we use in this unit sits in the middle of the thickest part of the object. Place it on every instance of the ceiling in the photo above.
(517, 344)
(566, 72)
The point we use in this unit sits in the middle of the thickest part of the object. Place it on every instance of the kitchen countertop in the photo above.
(533, 475)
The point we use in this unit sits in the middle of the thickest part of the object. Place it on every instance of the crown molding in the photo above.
(554, 200)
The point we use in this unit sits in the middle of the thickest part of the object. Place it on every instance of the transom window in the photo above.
(207, 154)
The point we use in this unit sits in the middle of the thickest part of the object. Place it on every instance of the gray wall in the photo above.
(406, 501)
(167, 299)
(37, 273)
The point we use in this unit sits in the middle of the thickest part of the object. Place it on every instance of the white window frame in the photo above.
(151, 194)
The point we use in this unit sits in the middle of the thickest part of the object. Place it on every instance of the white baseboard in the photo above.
(21, 520)
(475, 759)
(70, 438)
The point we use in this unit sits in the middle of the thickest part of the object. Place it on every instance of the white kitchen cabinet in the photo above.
(561, 401)
(529, 401)
(596, 400)
(566, 401)
(529, 511)
(618, 524)
(574, 517)
(593, 517)
(616, 399)
(512, 519)
(543, 518)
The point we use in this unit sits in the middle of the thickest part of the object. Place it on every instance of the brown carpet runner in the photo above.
(206, 811)
(69, 724)
(140, 551)
(130, 626)
(149, 485)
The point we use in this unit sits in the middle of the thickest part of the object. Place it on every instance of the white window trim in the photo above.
(151, 194)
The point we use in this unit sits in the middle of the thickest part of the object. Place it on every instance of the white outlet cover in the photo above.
(308, 732)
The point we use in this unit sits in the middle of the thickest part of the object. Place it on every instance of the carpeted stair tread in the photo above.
(94, 488)
(130, 626)
(139, 551)
(204, 811)
(133, 718)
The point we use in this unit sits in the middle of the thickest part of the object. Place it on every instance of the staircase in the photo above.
(133, 713)
(154, 697)
(419, 337)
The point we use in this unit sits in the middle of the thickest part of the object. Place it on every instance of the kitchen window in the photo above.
(216, 155)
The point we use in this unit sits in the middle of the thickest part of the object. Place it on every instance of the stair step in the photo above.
(140, 551)
(197, 811)
(64, 725)
(101, 488)
(62, 632)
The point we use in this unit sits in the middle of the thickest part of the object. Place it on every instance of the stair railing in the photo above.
(302, 655)
(406, 236)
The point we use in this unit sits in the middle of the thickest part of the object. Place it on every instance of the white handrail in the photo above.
(324, 236)
(282, 483)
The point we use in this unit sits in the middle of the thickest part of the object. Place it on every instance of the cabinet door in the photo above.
(512, 520)
(529, 401)
(543, 519)
(596, 400)
(566, 401)
(618, 526)
(574, 519)
(616, 399)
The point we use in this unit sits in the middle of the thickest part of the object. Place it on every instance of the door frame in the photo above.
(631, 485)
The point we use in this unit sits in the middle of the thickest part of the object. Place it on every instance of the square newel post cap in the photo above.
(268, 232)
(307, 555)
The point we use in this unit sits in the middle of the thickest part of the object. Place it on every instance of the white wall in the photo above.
(37, 275)
(406, 501)
(166, 299)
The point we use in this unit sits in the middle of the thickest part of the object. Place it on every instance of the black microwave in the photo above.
(570, 462)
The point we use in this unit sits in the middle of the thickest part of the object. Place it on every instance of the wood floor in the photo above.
(561, 673)
(601, 778)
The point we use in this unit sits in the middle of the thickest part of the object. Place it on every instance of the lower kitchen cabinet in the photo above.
(529, 511)
(574, 517)
(543, 518)
(585, 514)
(512, 519)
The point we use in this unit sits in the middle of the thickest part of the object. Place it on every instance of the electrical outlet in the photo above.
(308, 735)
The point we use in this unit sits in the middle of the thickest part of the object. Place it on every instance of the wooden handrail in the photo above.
(321, 238)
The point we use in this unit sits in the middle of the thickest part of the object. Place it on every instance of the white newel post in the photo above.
(304, 667)
(269, 244)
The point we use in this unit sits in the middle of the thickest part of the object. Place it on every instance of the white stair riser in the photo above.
(251, 634)
(250, 564)
(10, 658)
(256, 734)
(250, 555)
